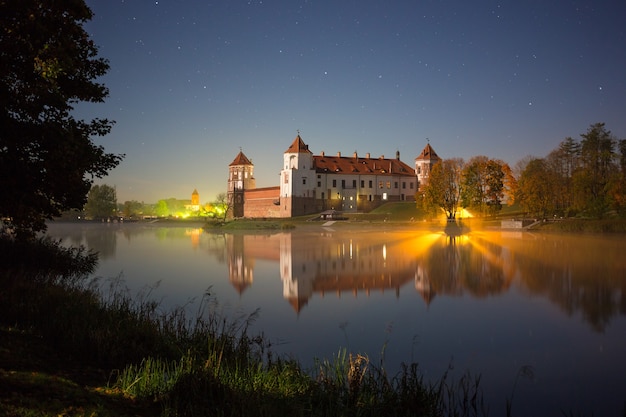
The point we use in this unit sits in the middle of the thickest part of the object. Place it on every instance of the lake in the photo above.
(491, 303)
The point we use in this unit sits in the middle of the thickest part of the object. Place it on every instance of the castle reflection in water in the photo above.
(351, 263)
(579, 273)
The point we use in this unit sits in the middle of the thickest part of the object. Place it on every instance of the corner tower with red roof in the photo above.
(240, 178)
(424, 163)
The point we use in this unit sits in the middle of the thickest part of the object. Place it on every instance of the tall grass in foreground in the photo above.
(202, 363)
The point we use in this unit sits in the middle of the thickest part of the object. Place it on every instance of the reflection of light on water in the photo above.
(193, 232)
(420, 243)
(385, 252)
(195, 236)
(457, 239)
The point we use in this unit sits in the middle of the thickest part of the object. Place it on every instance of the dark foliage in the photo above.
(48, 64)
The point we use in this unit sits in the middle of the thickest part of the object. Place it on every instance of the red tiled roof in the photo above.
(428, 153)
(298, 146)
(363, 166)
(240, 159)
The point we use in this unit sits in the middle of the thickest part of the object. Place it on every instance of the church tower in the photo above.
(240, 178)
(297, 180)
(424, 163)
(195, 198)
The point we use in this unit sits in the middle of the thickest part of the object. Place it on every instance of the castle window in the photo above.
(353, 183)
(362, 184)
(343, 183)
(380, 184)
(334, 183)
(395, 184)
(370, 183)
(411, 184)
(403, 185)
(303, 181)
(319, 184)
(388, 184)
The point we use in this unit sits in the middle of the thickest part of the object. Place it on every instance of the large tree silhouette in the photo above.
(48, 64)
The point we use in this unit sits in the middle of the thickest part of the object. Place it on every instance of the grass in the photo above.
(406, 214)
(614, 225)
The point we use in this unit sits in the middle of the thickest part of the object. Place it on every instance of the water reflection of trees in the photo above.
(578, 275)
(101, 238)
(459, 264)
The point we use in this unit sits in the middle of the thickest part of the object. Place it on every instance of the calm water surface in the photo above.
(485, 302)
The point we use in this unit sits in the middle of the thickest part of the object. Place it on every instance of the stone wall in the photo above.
(262, 203)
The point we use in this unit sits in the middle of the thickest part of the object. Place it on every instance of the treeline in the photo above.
(102, 204)
(585, 178)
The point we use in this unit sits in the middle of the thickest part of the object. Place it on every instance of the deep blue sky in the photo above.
(193, 81)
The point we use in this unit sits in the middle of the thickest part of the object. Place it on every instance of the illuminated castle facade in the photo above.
(315, 183)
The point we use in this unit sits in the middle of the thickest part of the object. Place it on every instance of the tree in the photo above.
(483, 184)
(48, 160)
(132, 208)
(101, 202)
(597, 167)
(563, 162)
(510, 184)
(222, 206)
(619, 184)
(536, 188)
(161, 209)
(474, 183)
(443, 189)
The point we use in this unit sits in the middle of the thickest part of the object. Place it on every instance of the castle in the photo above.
(311, 184)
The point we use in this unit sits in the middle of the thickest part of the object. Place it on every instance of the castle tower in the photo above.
(240, 178)
(424, 163)
(297, 180)
(195, 198)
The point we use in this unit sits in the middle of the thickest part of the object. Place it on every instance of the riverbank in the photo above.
(397, 215)
(71, 348)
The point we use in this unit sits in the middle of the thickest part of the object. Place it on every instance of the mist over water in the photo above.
(492, 303)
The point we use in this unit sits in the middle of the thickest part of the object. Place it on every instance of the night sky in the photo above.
(194, 81)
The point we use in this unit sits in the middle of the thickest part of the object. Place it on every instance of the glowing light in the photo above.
(463, 213)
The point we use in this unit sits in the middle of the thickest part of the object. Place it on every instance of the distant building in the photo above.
(315, 183)
(194, 203)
